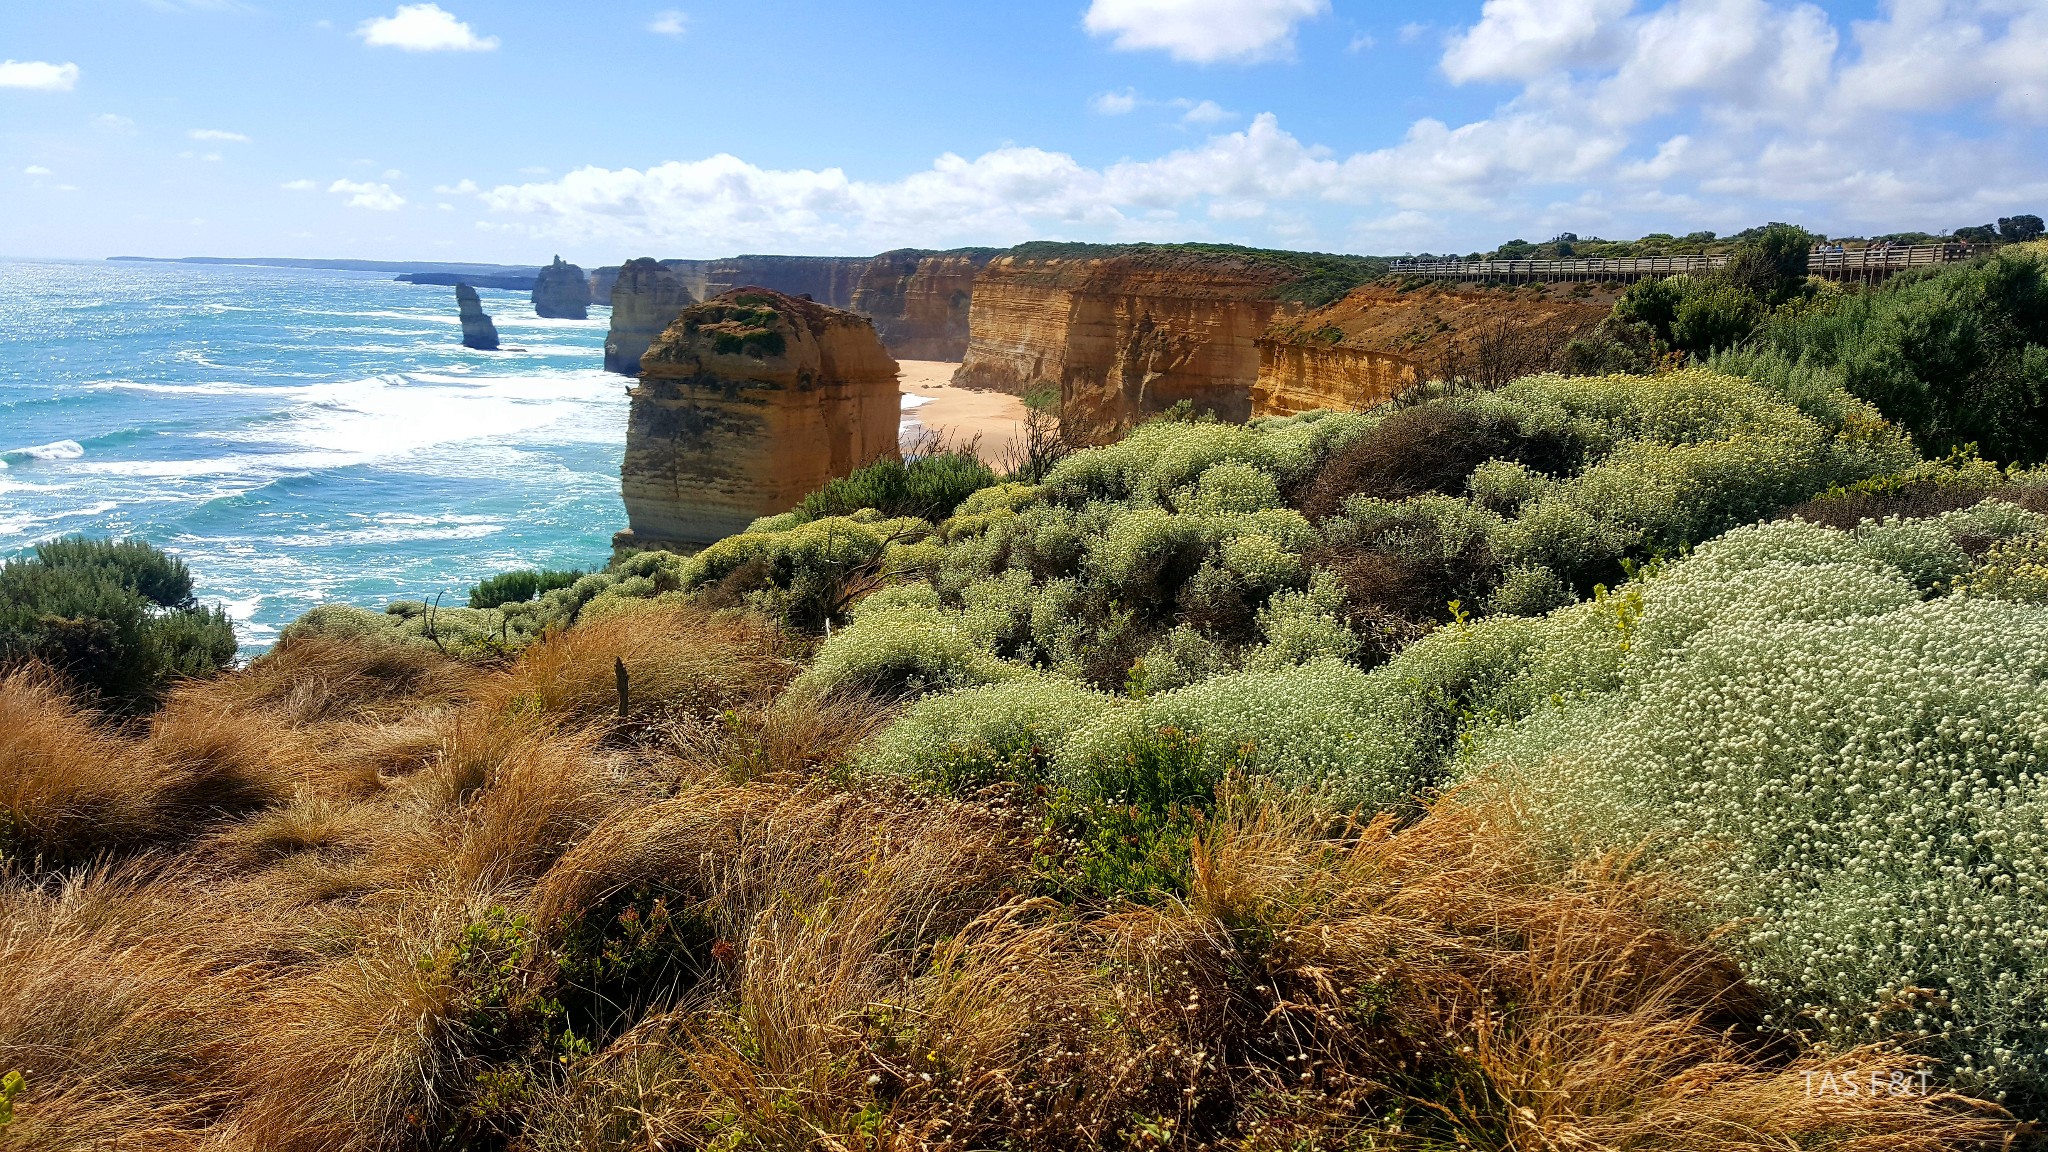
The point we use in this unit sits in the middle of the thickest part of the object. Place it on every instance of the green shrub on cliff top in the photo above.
(116, 617)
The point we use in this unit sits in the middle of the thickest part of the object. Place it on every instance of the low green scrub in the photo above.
(928, 487)
(521, 585)
(116, 617)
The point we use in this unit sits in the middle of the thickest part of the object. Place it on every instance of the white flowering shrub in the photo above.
(1850, 771)
(991, 721)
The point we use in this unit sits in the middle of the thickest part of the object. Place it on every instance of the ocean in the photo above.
(302, 437)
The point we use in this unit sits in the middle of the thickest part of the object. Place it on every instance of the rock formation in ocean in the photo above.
(562, 292)
(920, 301)
(601, 283)
(645, 301)
(1124, 335)
(745, 404)
(477, 330)
(1360, 351)
(829, 280)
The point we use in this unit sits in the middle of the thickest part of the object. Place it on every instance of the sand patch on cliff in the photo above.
(931, 401)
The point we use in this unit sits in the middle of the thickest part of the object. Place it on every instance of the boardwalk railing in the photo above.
(1856, 264)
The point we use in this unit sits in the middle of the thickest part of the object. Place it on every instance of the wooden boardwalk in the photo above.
(1864, 265)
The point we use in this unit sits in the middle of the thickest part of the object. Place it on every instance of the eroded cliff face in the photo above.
(1381, 338)
(746, 403)
(829, 280)
(1123, 337)
(646, 298)
(562, 292)
(477, 330)
(920, 301)
(602, 281)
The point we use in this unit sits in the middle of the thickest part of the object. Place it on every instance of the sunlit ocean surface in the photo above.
(300, 437)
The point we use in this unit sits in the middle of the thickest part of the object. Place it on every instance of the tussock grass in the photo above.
(473, 910)
(678, 658)
(68, 787)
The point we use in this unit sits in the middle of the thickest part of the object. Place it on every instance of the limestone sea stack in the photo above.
(746, 403)
(646, 298)
(562, 292)
(477, 330)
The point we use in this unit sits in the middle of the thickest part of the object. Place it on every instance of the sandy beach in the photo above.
(930, 401)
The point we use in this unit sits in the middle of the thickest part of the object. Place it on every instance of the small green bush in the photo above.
(116, 617)
(928, 487)
(519, 586)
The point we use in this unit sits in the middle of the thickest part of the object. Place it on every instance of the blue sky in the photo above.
(508, 130)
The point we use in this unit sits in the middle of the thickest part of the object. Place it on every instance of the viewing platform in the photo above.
(1862, 265)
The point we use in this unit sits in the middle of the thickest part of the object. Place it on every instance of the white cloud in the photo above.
(1207, 112)
(38, 75)
(1203, 31)
(1115, 103)
(217, 134)
(423, 28)
(37, 170)
(298, 185)
(460, 188)
(376, 197)
(1523, 39)
(211, 157)
(1363, 42)
(393, 174)
(669, 23)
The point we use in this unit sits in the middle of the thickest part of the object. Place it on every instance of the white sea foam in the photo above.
(54, 450)
(910, 402)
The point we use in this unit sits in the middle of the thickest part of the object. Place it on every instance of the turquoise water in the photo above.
(300, 437)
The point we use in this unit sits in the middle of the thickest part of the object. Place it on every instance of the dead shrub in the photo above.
(1428, 448)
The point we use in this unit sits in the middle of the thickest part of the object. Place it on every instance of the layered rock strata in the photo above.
(645, 300)
(477, 330)
(562, 292)
(1124, 336)
(602, 281)
(745, 404)
(921, 301)
(1359, 352)
(829, 280)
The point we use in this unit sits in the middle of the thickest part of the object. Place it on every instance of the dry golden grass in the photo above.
(377, 871)
(679, 659)
(68, 788)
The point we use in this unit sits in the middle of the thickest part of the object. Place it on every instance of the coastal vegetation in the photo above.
(1648, 758)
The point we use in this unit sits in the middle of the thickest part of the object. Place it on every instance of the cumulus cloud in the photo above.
(217, 134)
(1672, 115)
(1523, 39)
(423, 28)
(298, 185)
(38, 75)
(669, 23)
(459, 188)
(1203, 31)
(375, 197)
(37, 170)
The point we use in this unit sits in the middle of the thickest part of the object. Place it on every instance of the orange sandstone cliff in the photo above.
(1124, 335)
(829, 280)
(920, 300)
(745, 404)
(1383, 337)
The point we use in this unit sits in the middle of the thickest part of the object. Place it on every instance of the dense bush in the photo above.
(928, 486)
(1957, 355)
(520, 585)
(116, 617)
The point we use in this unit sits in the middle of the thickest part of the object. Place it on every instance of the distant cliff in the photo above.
(829, 280)
(562, 292)
(512, 282)
(1126, 332)
(646, 298)
(921, 301)
(745, 404)
(601, 282)
(477, 330)
(1358, 352)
